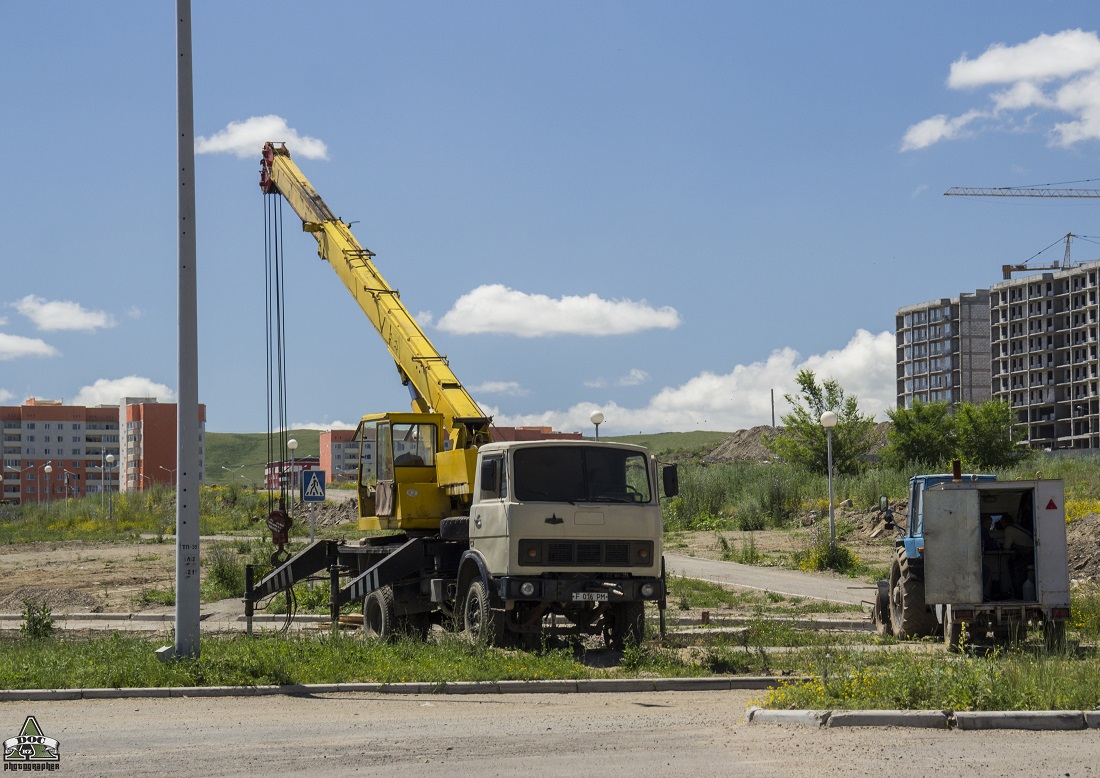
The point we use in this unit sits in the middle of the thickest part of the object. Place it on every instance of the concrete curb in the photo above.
(1048, 721)
(1045, 720)
(579, 686)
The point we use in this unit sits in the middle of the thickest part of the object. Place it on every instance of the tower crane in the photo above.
(1046, 190)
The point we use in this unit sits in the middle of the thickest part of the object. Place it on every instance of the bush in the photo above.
(37, 620)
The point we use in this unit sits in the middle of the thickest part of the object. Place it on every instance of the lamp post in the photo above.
(47, 470)
(171, 472)
(828, 421)
(292, 444)
(597, 419)
(110, 497)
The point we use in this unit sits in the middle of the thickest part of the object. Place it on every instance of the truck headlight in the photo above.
(647, 589)
(527, 588)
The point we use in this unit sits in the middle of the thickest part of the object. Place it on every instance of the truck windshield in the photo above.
(580, 474)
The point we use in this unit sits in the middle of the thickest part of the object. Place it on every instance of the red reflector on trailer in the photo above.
(1059, 613)
(962, 615)
(1051, 506)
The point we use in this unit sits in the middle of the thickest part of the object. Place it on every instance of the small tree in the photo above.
(802, 441)
(985, 435)
(924, 433)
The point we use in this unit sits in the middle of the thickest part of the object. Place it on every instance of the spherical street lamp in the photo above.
(597, 419)
(828, 421)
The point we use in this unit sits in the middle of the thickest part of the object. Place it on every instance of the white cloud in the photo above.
(935, 129)
(324, 425)
(1058, 73)
(246, 139)
(495, 308)
(16, 346)
(1043, 58)
(510, 388)
(107, 391)
(741, 398)
(596, 383)
(57, 315)
(635, 377)
(6, 396)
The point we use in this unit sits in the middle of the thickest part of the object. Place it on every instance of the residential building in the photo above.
(55, 451)
(340, 454)
(147, 451)
(943, 351)
(289, 472)
(1045, 362)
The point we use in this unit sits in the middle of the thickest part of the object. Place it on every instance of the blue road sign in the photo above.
(313, 486)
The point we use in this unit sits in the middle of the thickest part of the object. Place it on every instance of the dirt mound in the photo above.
(328, 514)
(1083, 539)
(748, 445)
(58, 599)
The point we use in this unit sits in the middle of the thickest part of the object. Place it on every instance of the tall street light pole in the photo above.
(828, 421)
(292, 444)
(110, 496)
(47, 470)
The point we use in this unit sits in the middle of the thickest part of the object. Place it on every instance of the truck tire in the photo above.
(480, 622)
(909, 616)
(624, 625)
(880, 612)
(455, 529)
(379, 614)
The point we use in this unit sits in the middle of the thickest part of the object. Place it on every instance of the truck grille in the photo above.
(586, 553)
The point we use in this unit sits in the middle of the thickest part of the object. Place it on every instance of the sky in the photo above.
(660, 211)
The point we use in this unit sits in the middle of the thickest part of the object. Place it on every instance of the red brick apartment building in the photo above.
(54, 451)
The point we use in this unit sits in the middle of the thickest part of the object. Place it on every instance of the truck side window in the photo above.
(494, 484)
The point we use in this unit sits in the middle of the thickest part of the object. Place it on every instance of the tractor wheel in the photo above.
(379, 614)
(480, 622)
(909, 616)
(624, 624)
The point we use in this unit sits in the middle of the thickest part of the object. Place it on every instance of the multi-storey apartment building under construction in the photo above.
(943, 350)
(1045, 361)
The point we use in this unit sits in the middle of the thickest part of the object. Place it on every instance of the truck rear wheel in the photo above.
(909, 616)
(479, 621)
(379, 614)
(624, 624)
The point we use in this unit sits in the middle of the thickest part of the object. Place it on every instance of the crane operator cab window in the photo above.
(385, 446)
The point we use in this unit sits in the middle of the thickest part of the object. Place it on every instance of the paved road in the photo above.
(658, 733)
(818, 586)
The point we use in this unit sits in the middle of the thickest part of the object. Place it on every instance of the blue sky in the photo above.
(660, 210)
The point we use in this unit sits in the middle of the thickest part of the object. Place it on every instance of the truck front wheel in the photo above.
(479, 621)
(909, 616)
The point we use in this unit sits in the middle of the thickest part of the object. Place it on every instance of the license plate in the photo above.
(589, 596)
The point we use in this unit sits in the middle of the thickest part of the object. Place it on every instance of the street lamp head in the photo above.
(829, 420)
(292, 444)
(110, 459)
(48, 468)
(597, 417)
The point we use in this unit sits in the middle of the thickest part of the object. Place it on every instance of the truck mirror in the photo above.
(670, 477)
(884, 504)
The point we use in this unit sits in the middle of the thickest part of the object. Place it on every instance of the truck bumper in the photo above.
(580, 590)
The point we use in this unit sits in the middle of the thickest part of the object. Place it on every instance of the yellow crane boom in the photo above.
(435, 387)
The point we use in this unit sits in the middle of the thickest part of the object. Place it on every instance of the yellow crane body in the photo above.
(463, 426)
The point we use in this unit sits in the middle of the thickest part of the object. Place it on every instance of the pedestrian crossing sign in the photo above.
(313, 486)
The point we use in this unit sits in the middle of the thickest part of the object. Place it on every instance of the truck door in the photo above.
(952, 546)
